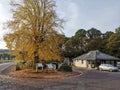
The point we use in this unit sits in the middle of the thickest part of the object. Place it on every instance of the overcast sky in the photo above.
(78, 14)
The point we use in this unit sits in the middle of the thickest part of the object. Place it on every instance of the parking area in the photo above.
(100, 80)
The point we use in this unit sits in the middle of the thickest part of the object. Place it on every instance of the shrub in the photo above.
(66, 68)
(21, 64)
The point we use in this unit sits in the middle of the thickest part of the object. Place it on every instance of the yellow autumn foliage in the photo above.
(35, 27)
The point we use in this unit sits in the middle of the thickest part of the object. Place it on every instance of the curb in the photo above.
(52, 77)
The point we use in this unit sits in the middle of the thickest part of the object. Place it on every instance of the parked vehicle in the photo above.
(50, 66)
(108, 67)
(39, 66)
(55, 64)
(118, 65)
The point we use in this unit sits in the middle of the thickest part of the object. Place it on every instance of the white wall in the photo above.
(80, 63)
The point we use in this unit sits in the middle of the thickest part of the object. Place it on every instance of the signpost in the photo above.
(23, 54)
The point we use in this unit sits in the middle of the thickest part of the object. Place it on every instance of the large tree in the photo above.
(34, 29)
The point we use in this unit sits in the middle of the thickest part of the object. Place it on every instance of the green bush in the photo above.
(66, 68)
(21, 64)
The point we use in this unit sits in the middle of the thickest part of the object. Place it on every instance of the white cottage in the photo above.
(80, 63)
(93, 59)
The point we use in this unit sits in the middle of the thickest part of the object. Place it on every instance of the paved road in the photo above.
(97, 80)
(91, 80)
(6, 67)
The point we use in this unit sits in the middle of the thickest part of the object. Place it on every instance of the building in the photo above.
(5, 54)
(93, 59)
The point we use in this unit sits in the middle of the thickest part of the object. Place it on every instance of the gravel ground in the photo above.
(20, 81)
(8, 83)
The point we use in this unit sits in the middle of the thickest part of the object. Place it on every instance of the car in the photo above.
(39, 66)
(50, 66)
(55, 64)
(118, 65)
(108, 67)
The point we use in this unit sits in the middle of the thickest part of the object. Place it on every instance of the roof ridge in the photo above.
(97, 55)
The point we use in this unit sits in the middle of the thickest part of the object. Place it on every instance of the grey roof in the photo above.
(96, 55)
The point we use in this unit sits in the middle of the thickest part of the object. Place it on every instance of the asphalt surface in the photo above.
(100, 80)
(90, 80)
(5, 68)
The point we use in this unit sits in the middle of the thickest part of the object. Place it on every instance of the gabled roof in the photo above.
(96, 55)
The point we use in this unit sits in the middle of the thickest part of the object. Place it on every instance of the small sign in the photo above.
(22, 52)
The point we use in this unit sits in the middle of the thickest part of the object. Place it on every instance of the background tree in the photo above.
(95, 44)
(105, 40)
(34, 29)
(69, 49)
(93, 39)
(75, 45)
(117, 30)
(93, 33)
(113, 44)
(107, 34)
(81, 38)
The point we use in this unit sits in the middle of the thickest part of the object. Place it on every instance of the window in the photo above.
(88, 62)
(82, 61)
